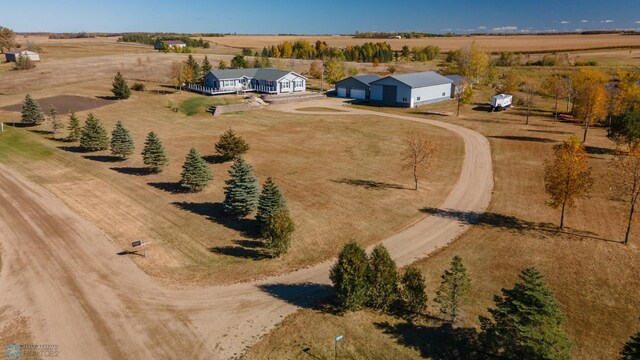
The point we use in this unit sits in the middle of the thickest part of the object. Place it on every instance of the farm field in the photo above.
(341, 172)
(586, 266)
(497, 43)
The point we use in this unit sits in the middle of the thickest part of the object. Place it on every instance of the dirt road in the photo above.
(65, 276)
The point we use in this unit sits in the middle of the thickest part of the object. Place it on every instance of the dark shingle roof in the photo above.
(421, 79)
(268, 74)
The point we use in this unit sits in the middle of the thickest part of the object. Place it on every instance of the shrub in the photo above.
(350, 277)
(413, 294)
(230, 146)
(383, 278)
(278, 231)
(24, 63)
(138, 87)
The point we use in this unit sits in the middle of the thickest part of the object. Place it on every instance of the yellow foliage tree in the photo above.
(554, 87)
(176, 74)
(626, 181)
(287, 49)
(590, 98)
(473, 62)
(567, 176)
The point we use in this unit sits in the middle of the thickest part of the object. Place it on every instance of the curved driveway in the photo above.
(61, 272)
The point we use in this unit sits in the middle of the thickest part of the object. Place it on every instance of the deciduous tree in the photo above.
(453, 291)
(242, 190)
(529, 87)
(625, 129)
(94, 136)
(121, 142)
(555, 88)
(413, 293)
(153, 154)
(31, 111)
(75, 130)
(176, 74)
(590, 99)
(567, 176)
(527, 322)
(333, 70)
(56, 123)
(349, 276)
(418, 154)
(230, 146)
(196, 173)
(278, 231)
(222, 65)
(626, 181)
(7, 39)
(463, 93)
(473, 62)
(383, 279)
(120, 87)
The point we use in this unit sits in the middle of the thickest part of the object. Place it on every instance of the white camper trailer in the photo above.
(501, 101)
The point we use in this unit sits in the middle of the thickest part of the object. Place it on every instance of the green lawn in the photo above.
(196, 105)
(15, 141)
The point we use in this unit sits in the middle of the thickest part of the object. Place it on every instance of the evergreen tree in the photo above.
(453, 290)
(242, 190)
(75, 131)
(526, 322)
(206, 67)
(120, 87)
(278, 231)
(31, 111)
(222, 65)
(153, 154)
(94, 136)
(121, 142)
(350, 277)
(196, 71)
(631, 350)
(270, 200)
(56, 123)
(383, 279)
(413, 294)
(195, 172)
(230, 146)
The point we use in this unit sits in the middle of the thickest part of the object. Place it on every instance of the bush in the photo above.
(138, 87)
(278, 231)
(230, 146)
(586, 63)
(413, 294)
(383, 278)
(24, 63)
(350, 277)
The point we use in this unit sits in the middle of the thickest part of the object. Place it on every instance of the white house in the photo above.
(13, 55)
(170, 43)
(262, 80)
(411, 90)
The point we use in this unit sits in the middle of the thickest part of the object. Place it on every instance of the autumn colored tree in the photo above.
(315, 69)
(591, 97)
(418, 154)
(222, 65)
(333, 70)
(567, 176)
(626, 181)
(463, 93)
(473, 62)
(7, 39)
(195, 69)
(554, 87)
(508, 82)
(176, 74)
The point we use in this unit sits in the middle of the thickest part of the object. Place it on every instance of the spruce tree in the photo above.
(94, 136)
(631, 350)
(195, 172)
(413, 293)
(121, 142)
(230, 146)
(242, 190)
(195, 68)
(383, 279)
(206, 67)
(31, 111)
(75, 130)
(526, 322)
(278, 231)
(56, 123)
(270, 200)
(153, 154)
(350, 275)
(120, 87)
(453, 290)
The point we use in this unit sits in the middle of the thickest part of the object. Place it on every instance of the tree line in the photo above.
(150, 39)
(302, 49)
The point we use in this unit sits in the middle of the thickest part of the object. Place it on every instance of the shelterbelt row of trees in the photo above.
(150, 39)
(303, 49)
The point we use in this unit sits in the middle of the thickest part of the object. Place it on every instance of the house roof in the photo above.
(267, 74)
(173, 42)
(421, 79)
(15, 52)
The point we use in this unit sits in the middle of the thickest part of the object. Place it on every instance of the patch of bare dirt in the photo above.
(65, 104)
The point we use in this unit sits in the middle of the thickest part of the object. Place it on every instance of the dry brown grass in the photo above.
(336, 171)
(593, 276)
(523, 43)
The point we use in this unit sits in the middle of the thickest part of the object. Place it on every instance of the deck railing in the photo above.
(212, 91)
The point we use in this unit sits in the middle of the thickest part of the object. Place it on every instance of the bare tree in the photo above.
(626, 181)
(529, 87)
(418, 154)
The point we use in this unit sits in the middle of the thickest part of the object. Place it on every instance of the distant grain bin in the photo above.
(13, 55)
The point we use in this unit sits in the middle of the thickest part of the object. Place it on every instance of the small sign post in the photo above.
(338, 338)
(1, 127)
(138, 243)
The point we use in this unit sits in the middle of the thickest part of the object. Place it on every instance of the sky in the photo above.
(319, 16)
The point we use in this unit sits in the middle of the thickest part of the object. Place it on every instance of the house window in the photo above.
(404, 99)
(418, 98)
(269, 83)
(285, 85)
(297, 83)
(443, 94)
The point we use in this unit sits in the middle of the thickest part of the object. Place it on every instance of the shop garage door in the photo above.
(342, 92)
(358, 94)
(389, 95)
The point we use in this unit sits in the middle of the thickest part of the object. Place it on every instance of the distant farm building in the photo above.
(355, 87)
(411, 90)
(13, 55)
(458, 82)
(170, 43)
(261, 80)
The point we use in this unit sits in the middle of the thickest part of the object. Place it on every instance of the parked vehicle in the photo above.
(565, 117)
(500, 102)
